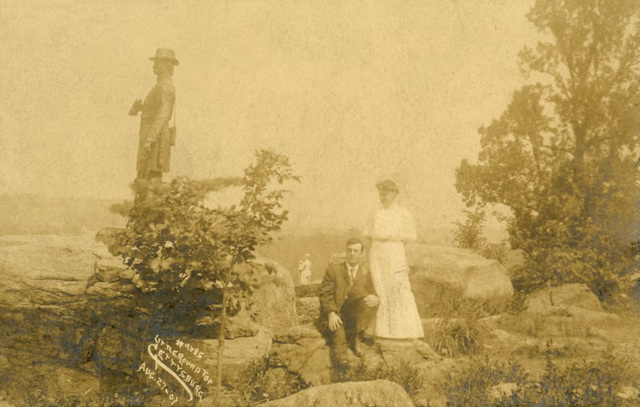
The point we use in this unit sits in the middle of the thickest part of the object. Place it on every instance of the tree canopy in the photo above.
(563, 157)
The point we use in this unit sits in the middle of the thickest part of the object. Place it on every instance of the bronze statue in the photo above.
(156, 137)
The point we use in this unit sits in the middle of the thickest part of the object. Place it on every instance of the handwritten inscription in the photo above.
(162, 385)
(191, 377)
(190, 348)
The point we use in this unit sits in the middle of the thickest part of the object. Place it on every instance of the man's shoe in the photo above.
(368, 340)
(357, 347)
(343, 364)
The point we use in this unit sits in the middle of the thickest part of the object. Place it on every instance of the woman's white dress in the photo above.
(397, 315)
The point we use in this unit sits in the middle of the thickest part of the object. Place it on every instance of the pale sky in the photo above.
(351, 91)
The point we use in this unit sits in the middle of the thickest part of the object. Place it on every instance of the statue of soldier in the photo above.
(155, 137)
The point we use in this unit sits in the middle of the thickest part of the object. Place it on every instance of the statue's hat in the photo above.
(165, 53)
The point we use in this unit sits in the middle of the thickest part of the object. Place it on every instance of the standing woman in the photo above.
(388, 230)
(304, 267)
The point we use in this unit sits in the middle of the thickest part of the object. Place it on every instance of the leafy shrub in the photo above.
(473, 388)
(468, 235)
(262, 382)
(191, 260)
(585, 384)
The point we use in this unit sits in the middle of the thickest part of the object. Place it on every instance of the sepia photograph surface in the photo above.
(320, 203)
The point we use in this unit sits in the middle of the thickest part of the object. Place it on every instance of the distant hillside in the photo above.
(32, 214)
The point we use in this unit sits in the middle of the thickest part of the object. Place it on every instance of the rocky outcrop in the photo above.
(69, 307)
(356, 394)
(304, 352)
(43, 309)
(238, 354)
(119, 326)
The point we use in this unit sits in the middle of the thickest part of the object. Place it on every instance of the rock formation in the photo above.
(356, 394)
(69, 307)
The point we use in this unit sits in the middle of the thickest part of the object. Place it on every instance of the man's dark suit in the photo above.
(338, 294)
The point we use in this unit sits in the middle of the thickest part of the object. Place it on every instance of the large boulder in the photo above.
(569, 295)
(356, 394)
(461, 272)
(275, 299)
(575, 302)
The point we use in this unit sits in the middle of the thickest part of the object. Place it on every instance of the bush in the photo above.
(191, 260)
(585, 384)
(262, 382)
(455, 337)
(469, 235)
(474, 387)
(457, 330)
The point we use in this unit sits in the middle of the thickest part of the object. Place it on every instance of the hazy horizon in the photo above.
(350, 92)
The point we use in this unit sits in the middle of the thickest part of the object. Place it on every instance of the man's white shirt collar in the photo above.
(352, 269)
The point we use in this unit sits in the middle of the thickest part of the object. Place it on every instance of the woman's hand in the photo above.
(371, 300)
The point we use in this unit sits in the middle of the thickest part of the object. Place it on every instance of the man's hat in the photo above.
(165, 53)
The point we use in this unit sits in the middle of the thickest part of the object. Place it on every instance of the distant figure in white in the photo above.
(304, 267)
(387, 231)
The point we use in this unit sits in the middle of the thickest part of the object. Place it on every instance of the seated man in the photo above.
(348, 301)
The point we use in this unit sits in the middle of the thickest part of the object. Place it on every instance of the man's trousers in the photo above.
(356, 316)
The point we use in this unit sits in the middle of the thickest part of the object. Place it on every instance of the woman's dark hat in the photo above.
(166, 54)
(387, 186)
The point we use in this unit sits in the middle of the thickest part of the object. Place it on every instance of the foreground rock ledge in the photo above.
(353, 394)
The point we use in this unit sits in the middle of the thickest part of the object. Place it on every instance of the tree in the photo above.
(469, 235)
(189, 258)
(563, 157)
